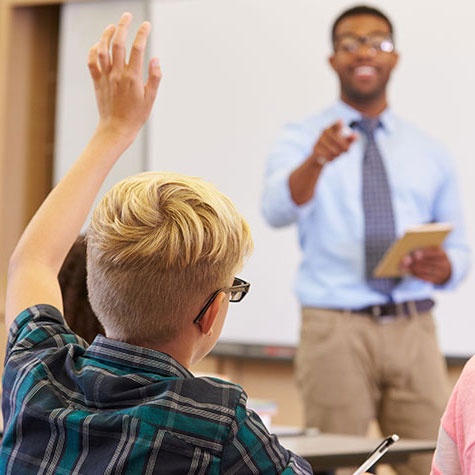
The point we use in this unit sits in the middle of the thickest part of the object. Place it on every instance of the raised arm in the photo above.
(124, 103)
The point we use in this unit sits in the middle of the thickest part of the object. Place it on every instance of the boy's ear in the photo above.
(206, 322)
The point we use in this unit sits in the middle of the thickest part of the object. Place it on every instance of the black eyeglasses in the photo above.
(237, 292)
(377, 42)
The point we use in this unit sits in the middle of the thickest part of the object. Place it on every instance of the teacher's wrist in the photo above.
(317, 161)
(321, 160)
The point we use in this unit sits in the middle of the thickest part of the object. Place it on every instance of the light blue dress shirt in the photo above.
(331, 225)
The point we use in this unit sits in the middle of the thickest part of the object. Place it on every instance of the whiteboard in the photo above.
(236, 70)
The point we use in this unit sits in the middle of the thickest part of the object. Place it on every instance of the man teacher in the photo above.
(353, 178)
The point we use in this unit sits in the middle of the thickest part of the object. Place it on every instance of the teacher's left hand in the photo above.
(431, 264)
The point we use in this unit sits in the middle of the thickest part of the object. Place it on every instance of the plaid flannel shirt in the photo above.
(115, 408)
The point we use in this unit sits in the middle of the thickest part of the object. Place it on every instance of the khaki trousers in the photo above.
(352, 368)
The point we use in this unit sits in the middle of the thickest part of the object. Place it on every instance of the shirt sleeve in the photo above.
(39, 328)
(447, 208)
(446, 455)
(252, 449)
(290, 150)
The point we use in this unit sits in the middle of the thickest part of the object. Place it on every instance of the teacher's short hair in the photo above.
(360, 10)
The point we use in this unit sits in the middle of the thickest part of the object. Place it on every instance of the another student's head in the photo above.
(72, 279)
(159, 245)
(363, 53)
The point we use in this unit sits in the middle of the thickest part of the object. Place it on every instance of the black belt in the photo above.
(393, 309)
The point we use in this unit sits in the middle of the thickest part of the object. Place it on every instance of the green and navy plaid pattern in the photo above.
(115, 408)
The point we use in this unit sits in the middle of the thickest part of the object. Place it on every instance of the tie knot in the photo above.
(368, 125)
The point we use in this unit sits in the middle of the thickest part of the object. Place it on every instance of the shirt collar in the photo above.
(144, 359)
(349, 114)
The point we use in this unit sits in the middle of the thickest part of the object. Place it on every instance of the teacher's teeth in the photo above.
(365, 71)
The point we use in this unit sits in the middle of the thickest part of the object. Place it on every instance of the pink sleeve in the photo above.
(455, 452)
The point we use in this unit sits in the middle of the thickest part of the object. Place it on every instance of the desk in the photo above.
(329, 451)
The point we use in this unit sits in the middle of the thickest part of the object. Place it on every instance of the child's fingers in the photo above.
(153, 81)
(118, 43)
(138, 48)
(104, 48)
(92, 63)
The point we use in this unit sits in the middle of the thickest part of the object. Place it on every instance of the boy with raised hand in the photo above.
(163, 250)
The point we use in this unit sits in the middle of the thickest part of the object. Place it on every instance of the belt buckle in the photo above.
(378, 317)
(376, 311)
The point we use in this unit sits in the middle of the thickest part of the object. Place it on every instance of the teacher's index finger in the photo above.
(137, 53)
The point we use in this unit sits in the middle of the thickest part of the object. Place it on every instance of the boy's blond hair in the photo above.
(159, 244)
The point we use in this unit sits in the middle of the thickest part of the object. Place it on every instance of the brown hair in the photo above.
(72, 279)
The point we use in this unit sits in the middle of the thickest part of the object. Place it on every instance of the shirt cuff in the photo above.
(459, 261)
(278, 206)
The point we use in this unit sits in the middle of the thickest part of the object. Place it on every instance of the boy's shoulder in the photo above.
(216, 391)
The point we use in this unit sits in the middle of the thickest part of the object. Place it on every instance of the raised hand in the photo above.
(123, 100)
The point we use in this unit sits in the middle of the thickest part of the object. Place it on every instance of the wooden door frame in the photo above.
(29, 36)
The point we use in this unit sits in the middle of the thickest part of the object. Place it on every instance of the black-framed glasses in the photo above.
(376, 43)
(237, 292)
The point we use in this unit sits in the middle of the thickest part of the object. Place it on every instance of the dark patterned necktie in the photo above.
(380, 230)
